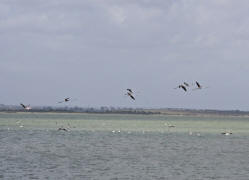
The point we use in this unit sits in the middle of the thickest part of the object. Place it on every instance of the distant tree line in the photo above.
(76, 109)
(205, 111)
(124, 110)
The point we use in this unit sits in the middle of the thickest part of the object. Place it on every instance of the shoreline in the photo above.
(157, 112)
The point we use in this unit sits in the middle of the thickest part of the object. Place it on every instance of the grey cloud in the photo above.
(101, 46)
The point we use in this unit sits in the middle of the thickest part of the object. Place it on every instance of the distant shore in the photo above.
(201, 113)
(112, 110)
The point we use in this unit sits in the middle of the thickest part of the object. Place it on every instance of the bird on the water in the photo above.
(227, 133)
(62, 129)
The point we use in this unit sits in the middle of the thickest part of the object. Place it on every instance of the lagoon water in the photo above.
(102, 146)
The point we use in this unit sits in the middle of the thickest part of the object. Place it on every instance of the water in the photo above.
(122, 147)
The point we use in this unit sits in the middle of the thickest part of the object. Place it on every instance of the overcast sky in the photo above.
(93, 50)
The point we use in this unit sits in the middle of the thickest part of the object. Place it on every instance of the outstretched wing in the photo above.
(199, 86)
(129, 90)
(132, 97)
(184, 88)
(23, 105)
(186, 84)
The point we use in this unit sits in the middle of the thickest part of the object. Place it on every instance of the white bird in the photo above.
(169, 125)
(226, 133)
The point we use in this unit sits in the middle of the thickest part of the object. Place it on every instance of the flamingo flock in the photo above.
(130, 93)
(185, 86)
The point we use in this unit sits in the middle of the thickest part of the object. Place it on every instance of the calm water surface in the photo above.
(122, 147)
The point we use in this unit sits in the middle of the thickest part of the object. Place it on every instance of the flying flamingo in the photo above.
(26, 107)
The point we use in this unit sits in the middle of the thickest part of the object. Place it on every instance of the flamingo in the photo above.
(65, 100)
(199, 86)
(26, 107)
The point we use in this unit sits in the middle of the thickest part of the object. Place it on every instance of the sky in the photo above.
(92, 50)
